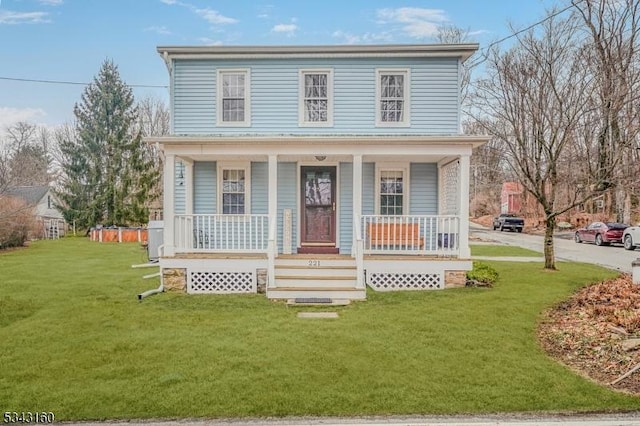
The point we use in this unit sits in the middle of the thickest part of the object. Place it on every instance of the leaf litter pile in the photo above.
(597, 333)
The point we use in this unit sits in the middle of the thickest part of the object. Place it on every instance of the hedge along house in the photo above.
(322, 168)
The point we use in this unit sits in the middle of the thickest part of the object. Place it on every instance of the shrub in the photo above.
(16, 221)
(482, 275)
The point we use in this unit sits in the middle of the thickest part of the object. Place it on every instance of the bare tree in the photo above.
(533, 99)
(153, 117)
(27, 157)
(612, 29)
(154, 120)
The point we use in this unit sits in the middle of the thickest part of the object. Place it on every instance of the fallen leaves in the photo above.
(587, 332)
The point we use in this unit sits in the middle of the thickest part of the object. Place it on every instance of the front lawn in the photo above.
(76, 341)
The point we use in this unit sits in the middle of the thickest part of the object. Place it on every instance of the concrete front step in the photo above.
(318, 281)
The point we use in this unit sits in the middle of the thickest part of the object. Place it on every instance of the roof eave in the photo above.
(463, 51)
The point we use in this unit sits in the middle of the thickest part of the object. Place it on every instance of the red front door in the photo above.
(318, 215)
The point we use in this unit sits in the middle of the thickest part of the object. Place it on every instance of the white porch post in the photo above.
(465, 251)
(168, 213)
(357, 188)
(273, 187)
(188, 186)
(273, 219)
(358, 247)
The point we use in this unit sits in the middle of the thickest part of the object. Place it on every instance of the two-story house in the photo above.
(317, 170)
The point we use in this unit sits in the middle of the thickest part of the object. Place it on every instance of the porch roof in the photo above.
(298, 140)
(423, 148)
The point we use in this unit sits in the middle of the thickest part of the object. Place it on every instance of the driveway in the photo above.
(612, 257)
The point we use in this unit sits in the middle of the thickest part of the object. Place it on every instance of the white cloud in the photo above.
(158, 30)
(210, 15)
(214, 17)
(9, 116)
(51, 2)
(10, 17)
(349, 38)
(415, 22)
(288, 29)
(209, 41)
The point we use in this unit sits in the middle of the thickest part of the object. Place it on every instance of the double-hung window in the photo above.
(392, 190)
(233, 189)
(392, 98)
(233, 104)
(316, 98)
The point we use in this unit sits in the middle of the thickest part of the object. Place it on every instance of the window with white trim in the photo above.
(233, 98)
(392, 97)
(391, 192)
(316, 98)
(233, 189)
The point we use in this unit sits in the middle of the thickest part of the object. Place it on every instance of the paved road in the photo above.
(612, 257)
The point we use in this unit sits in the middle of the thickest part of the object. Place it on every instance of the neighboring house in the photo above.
(315, 170)
(511, 197)
(43, 201)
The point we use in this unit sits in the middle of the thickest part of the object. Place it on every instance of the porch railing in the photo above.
(222, 233)
(425, 235)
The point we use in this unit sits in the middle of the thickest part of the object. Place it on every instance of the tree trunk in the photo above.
(549, 252)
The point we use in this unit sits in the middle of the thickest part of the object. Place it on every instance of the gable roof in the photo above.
(462, 51)
(30, 194)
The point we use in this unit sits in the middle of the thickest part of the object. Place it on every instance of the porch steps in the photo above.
(318, 276)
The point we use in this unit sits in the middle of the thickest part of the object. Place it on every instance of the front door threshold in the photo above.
(318, 250)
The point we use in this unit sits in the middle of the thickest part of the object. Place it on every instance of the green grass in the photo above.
(502, 250)
(76, 341)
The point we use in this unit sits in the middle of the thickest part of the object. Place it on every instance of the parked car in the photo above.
(631, 237)
(601, 233)
(508, 221)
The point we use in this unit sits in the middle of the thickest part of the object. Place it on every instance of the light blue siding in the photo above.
(259, 188)
(434, 94)
(178, 189)
(346, 207)
(288, 199)
(423, 189)
(204, 188)
(368, 188)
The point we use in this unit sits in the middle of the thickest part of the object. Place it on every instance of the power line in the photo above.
(553, 15)
(77, 83)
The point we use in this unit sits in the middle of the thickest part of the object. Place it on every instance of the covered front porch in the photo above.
(307, 215)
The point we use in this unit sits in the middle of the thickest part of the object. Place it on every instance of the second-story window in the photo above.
(316, 98)
(233, 98)
(392, 93)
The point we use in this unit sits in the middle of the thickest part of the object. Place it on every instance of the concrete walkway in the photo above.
(626, 419)
(509, 258)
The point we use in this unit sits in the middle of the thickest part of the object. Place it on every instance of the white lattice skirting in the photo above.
(382, 281)
(221, 282)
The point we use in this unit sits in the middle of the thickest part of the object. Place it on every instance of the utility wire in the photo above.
(77, 83)
(535, 24)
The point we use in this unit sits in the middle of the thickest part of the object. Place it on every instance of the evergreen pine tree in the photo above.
(107, 177)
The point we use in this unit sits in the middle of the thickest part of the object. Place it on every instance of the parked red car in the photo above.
(601, 233)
